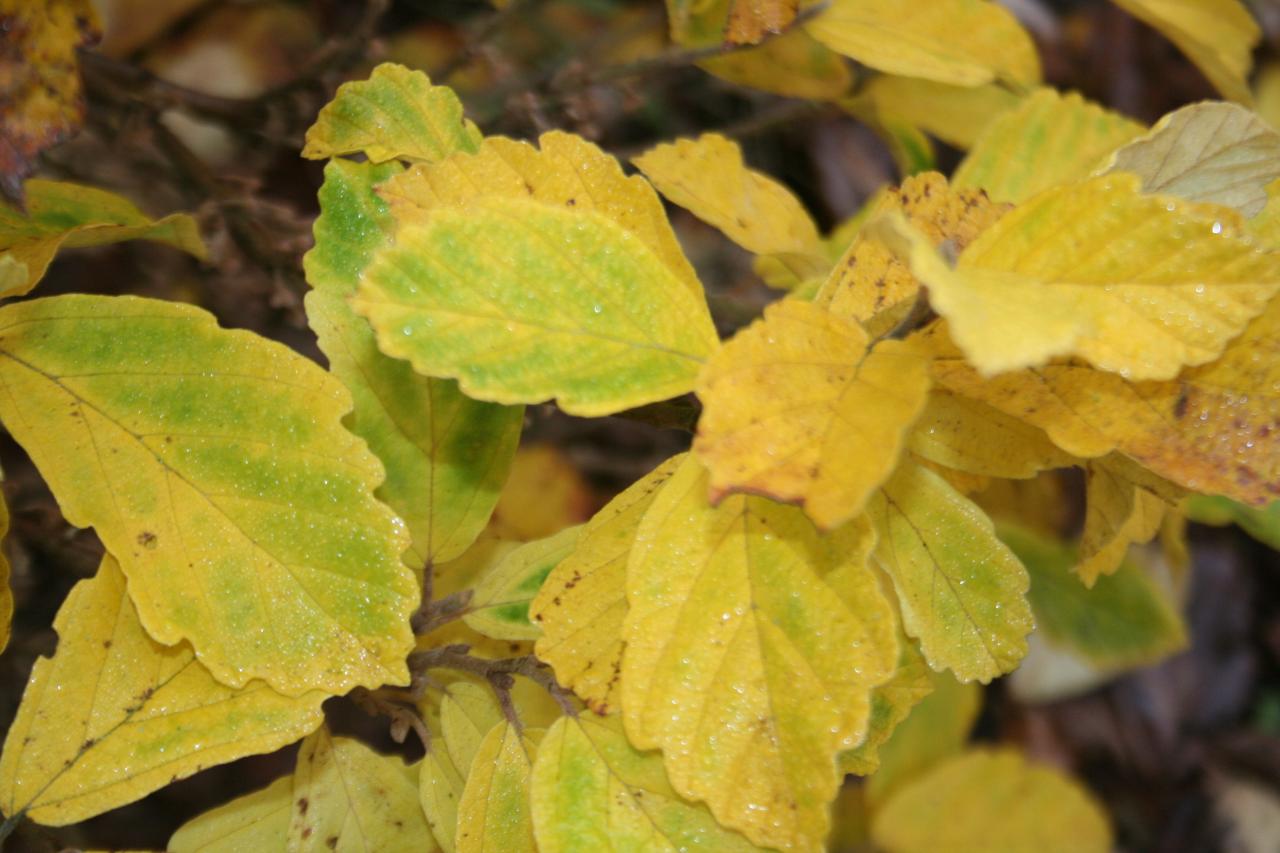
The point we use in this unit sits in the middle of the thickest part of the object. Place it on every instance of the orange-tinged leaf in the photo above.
(1134, 284)
(750, 21)
(40, 99)
(753, 643)
(800, 409)
(991, 800)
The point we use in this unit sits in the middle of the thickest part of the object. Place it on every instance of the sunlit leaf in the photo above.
(1211, 151)
(114, 715)
(214, 466)
(396, 113)
(1134, 284)
(499, 607)
(800, 409)
(60, 214)
(493, 816)
(742, 664)
(581, 605)
(256, 821)
(992, 800)
(1217, 35)
(592, 791)
(962, 592)
(963, 42)
(970, 436)
(446, 456)
(1048, 140)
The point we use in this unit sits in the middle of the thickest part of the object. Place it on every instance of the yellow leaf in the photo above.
(1211, 151)
(1118, 513)
(114, 715)
(962, 592)
(565, 171)
(954, 114)
(6, 594)
(493, 815)
(751, 21)
(445, 454)
(214, 466)
(792, 64)
(1136, 285)
(1210, 430)
(1043, 503)
(396, 113)
(967, 435)
(936, 729)
(870, 284)
(592, 791)
(734, 630)
(60, 214)
(500, 602)
(467, 712)
(257, 821)
(1217, 35)
(440, 791)
(544, 494)
(347, 797)
(523, 302)
(800, 409)
(963, 42)
(1048, 140)
(707, 177)
(992, 800)
(581, 606)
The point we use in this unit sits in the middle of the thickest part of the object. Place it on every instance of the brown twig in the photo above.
(457, 656)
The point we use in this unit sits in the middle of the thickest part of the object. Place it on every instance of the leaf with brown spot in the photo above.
(750, 21)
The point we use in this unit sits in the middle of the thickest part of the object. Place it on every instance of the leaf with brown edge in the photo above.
(41, 103)
(800, 408)
(581, 606)
(870, 284)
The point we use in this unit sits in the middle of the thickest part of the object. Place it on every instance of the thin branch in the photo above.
(434, 614)
(457, 656)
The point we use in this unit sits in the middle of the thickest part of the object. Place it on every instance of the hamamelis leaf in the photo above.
(499, 605)
(1118, 513)
(1217, 35)
(440, 786)
(467, 712)
(962, 592)
(592, 791)
(524, 302)
(214, 466)
(493, 815)
(61, 214)
(114, 715)
(1048, 140)
(799, 408)
(396, 113)
(967, 435)
(954, 114)
(6, 594)
(1137, 285)
(792, 64)
(991, 800)
(581, 605)
(1212, 151)
(964, 42)
(446, 455)
(1262, 523)
(734, 628)
(256, 821)
(750, 21)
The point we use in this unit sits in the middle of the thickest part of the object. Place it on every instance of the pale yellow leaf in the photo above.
(1118, 513)
(493, 815)
(440, 790)
(467, 712)
(970, 436)
(256, 821)
(955, 114)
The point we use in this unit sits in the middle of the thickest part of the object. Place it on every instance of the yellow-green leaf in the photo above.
(60, 214)
(1211, 151)
(799, 408)
(891, 702)
(114, 715)
(1134, 284)
(592, 791)
(967, 435)
(467, 712)
(1125, 620)
(992, 800)
(214, 466)
(1118, 513)
(581, 606)
(742, 664)
(962, 592)
(396, 113)
(1217, 35)
(446, 455)
(955, 114)
(523, 302)
(963, 42)
(256, 821)
(493, 816)
(347, 797)
(499, 605)
(1048, 140)
(1262, 523)
(440, 790)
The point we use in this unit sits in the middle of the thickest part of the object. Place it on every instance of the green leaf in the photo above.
(962, 592)
(522, 302)
(1262, 523)
(591, 790)
(446, 455)
(500, 601)
(214, 466)
(61, 214)
(395, 113)
(257, 821)
(114, 715)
